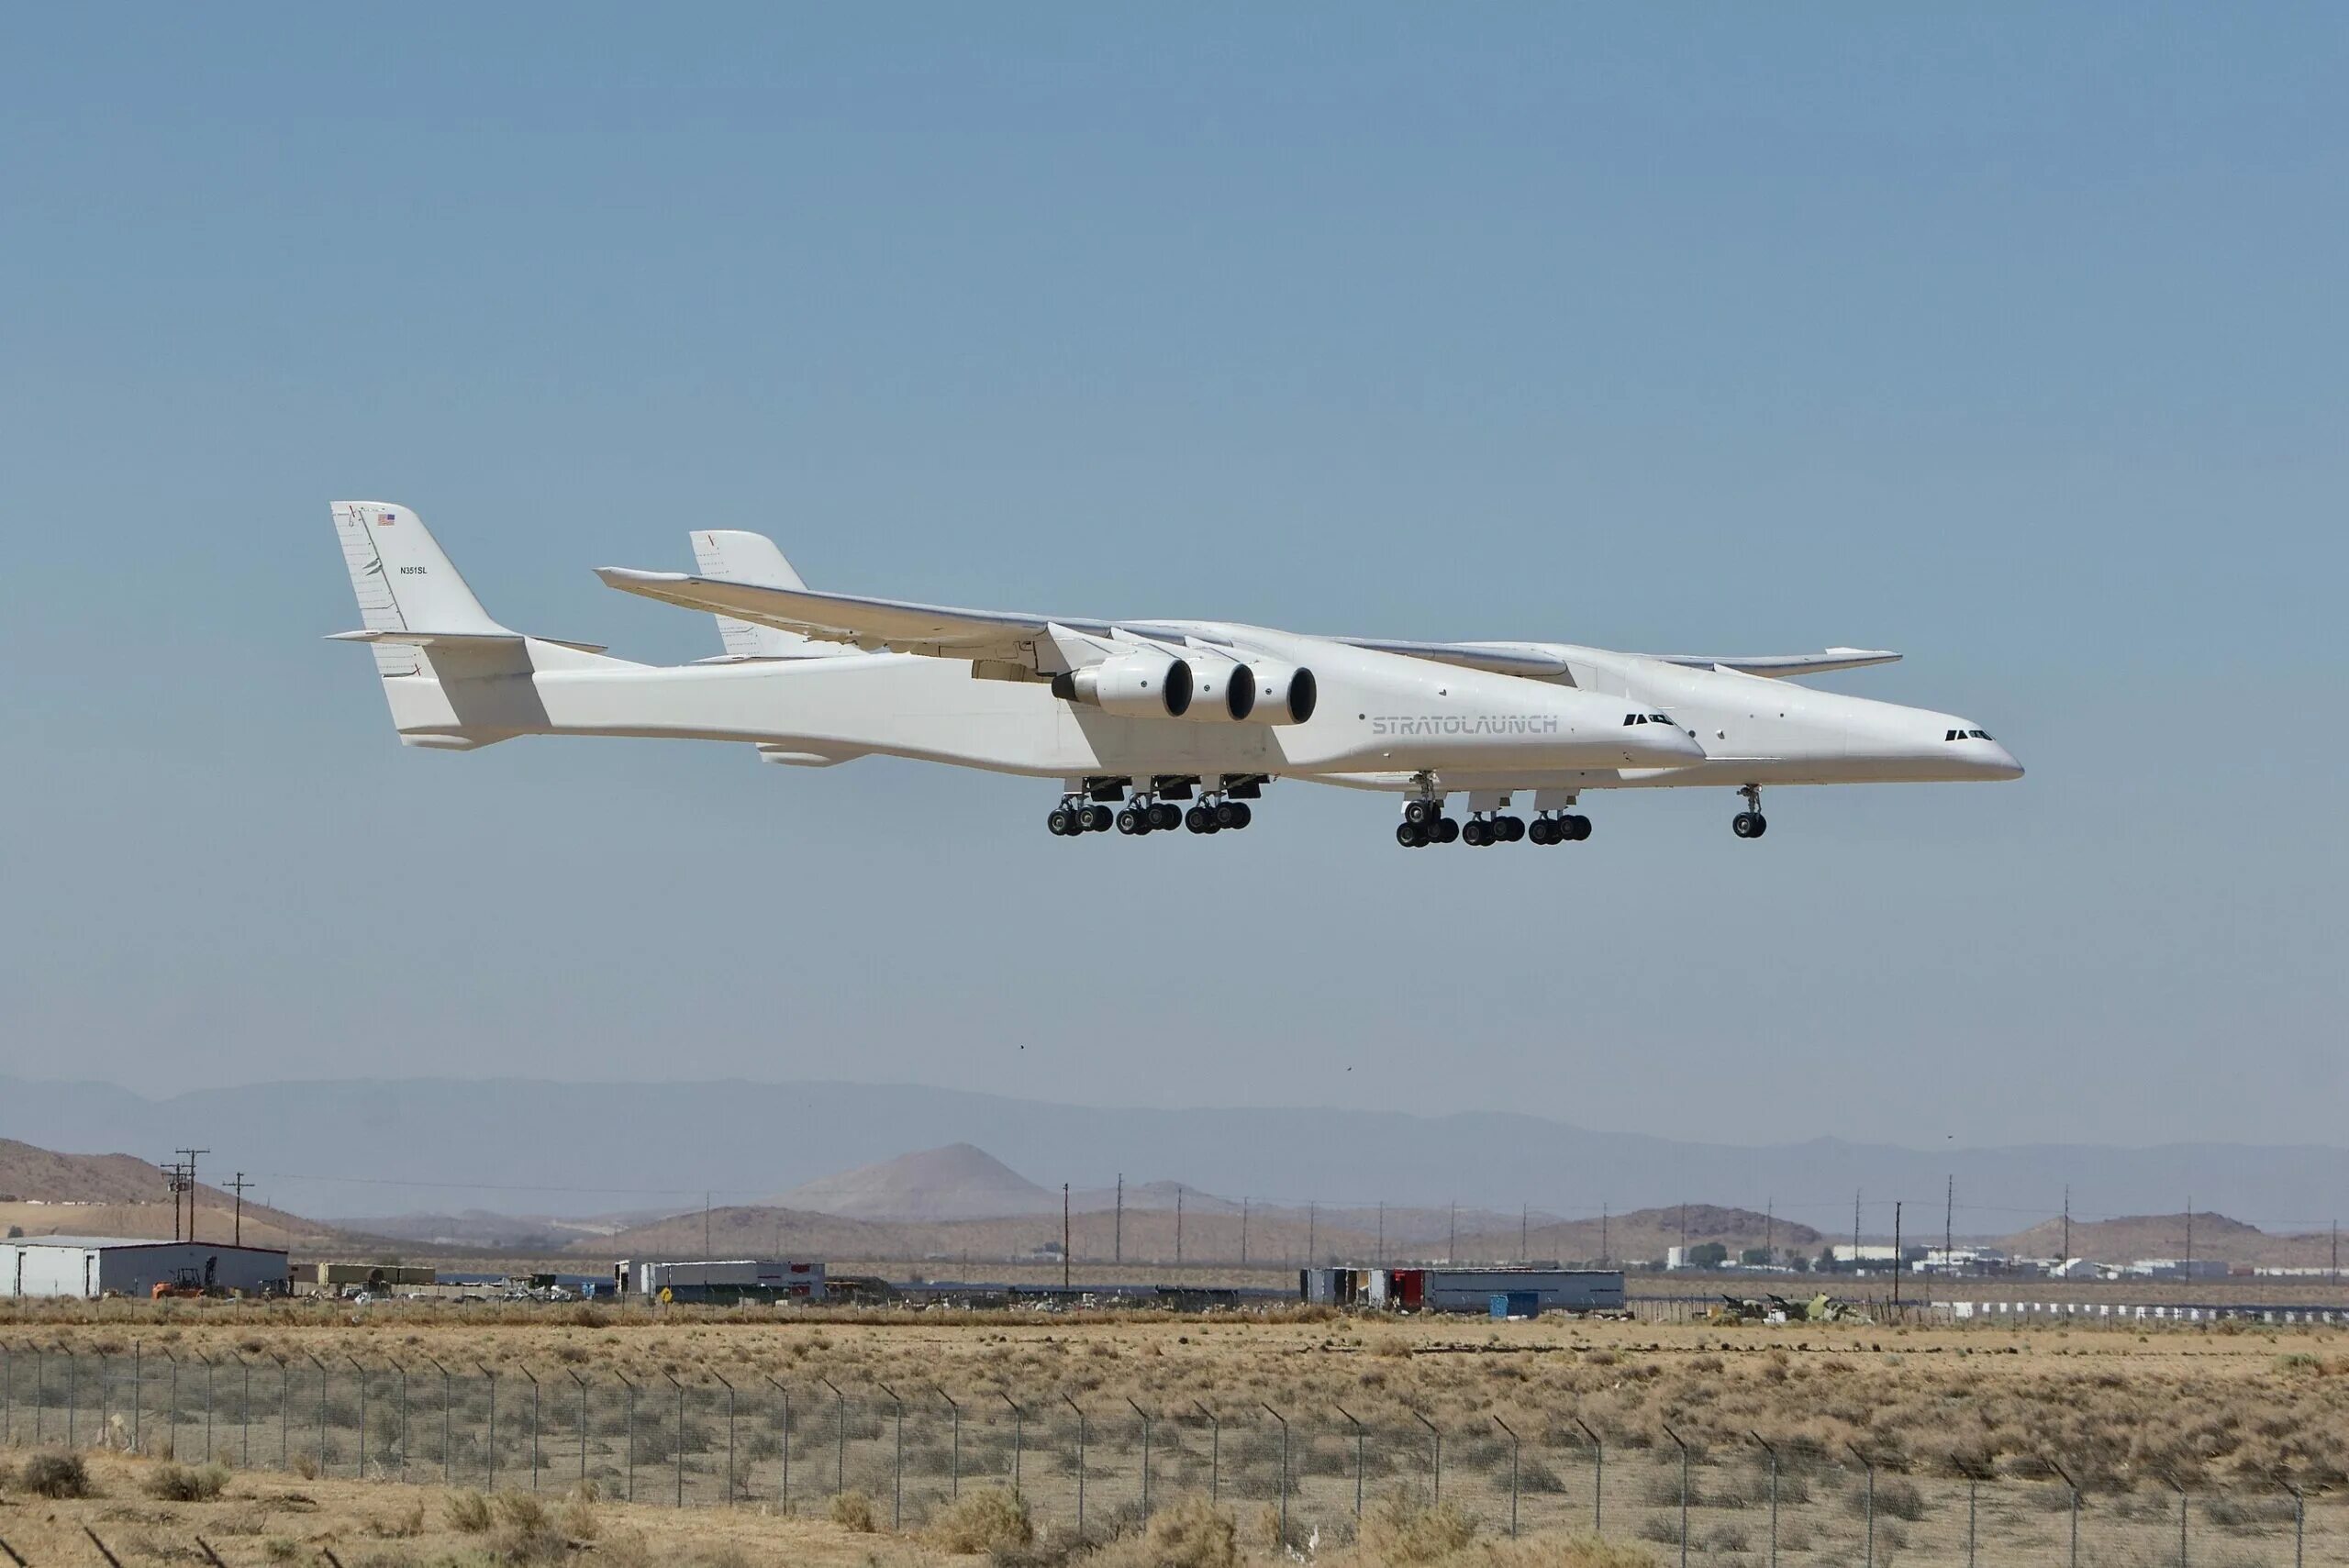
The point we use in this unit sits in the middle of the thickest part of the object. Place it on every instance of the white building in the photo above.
(2179, 1268)
(91, 1267)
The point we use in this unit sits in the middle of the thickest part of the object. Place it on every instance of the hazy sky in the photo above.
(2012, 339)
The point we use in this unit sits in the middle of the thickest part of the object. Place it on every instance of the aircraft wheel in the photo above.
(1581, 830)
(1747, 825)
(1410, 835)
(1059, 822)
(1197, 820)
(1419, 812)
(1163, 816)
(1443, 829)
(1097, 818)
(1228, 814)
(1129, 822)
(1512, 828)
(1242, 814)
(1542, 830)
(1476, 833)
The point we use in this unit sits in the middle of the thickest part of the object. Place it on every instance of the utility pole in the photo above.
(1178, 1224)
(1524, 1252)
(1769, 1233)
(1452, 1246)
(1244, 1232)
(1382, 1235)
(1118, 1240)
(704, 1225)
(1948, 1221)
(1895, 1251)
(191, 1190)
(1602, 1233)
(1063, 1235)
(172, 1181)
(2067, 1229)
(1855, 1231)
(2190, 1235)
(1684, 1234)
(239, 1186)
(2336, 1254)
(1312, 1224)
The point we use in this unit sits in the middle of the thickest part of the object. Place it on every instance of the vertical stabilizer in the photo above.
(754, 558)
(404, 582)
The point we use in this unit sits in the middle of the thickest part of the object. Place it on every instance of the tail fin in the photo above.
(754, 558)
(404, 582)
(449, 672)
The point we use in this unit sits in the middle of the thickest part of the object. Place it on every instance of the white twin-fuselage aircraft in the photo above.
(1132, 717)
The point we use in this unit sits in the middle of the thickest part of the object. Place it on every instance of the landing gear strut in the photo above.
(1750, 823)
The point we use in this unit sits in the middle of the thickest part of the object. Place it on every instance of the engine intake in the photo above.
(1133, 685)
(1280, 694)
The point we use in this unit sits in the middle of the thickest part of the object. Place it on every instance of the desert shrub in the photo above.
(525, 1532)
(468, 1512)
(853, 1511)
(1400, 1531)
(55, 1475)
(181, 1484)
(1190, 1532)
(579, 1518)
(405, 1525)
(1896, 1498)
(981, 1521)
(1576, 1551)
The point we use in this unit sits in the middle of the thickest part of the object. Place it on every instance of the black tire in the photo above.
(1410, 835)
(1743, 824)
(1475, 834)
(1097, 818)
(1058, 822)
(1542, 830)
(1761, 824)
(1417, 812)
(1581, 829)
(1227, 814)
(1444, 830)
(1242, 814)
(1163, 816)
(1512, 828)
(1129, 822)
(1197, 820)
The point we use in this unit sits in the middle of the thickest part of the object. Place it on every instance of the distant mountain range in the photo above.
(585, 1151)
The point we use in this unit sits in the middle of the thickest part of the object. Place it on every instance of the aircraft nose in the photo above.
(1668, 745)
(2001, 763)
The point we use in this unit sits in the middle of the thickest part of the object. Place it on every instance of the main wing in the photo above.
(897, 625)
(1544, 660)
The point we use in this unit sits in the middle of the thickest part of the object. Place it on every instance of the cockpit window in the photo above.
(1632, 718)
(1967, 735)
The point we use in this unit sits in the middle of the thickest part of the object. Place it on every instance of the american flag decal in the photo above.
(385, 519)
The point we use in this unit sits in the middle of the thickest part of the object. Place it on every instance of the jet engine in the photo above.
(1222, 689)
(1132, 685)
(1284, 694)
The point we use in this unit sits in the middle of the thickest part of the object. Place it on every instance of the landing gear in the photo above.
(1164, 818)
(1076, 816)
(1750, 823)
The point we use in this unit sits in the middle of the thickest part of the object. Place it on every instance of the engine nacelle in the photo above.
(1283, 693)
(1223, 690)
(1132, 685)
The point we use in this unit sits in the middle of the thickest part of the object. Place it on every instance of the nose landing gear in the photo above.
(1750, 823)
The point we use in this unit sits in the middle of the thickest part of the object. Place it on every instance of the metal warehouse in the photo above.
(1465, 1289)
(93, 1266)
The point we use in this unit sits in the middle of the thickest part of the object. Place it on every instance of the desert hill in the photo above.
(958, 1182)
(2125, 1238)
(44, 1193)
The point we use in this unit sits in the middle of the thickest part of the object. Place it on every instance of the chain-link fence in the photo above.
(1307, 1474)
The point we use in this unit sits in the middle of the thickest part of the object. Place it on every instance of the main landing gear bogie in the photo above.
(1154, 812)
(1424, 823)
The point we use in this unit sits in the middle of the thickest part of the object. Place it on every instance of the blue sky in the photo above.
(2012, 339)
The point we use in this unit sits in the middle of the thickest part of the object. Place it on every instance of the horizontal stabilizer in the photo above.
(457, 640)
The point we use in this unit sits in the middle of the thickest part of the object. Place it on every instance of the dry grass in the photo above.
(2213, 1405)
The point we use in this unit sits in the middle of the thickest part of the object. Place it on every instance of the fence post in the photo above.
(1435, 1454)
(402, 1368)
(1597, 1474)
(362, 1373)
(957, 1471)
(1277, 1416)
(1512, 1474)
(2181, 1516)
(284, 1411)
(445, 1460)
(210, 1369)
(1773, 1452)
(40, 1387)
(897, 1478)
(1357, 1426)
(1145, 1457)
(1869, 1465)
(1080, 1461)
(534, 1428)
(1215, 1453)
(2299, 1516)
(1019, 1432)
(680, 1456)
(8, 1391)
(139, 1398)
(782, 1490)
(69, 1365)
(2075, 1560)
(1972, 1511)
(244, 1413)
(839, 1436)
(490, 1378)
(629, 1491)
(322, 1411)
(1684, 1493)
(106, 1437)
(583, 1427)
(730, 1435)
